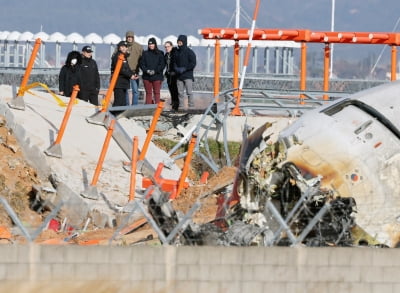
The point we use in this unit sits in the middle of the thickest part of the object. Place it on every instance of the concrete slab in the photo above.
(37, 128)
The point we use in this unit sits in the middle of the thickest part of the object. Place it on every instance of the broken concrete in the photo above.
(36, 128)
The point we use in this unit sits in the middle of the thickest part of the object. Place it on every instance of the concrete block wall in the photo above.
(35, 268)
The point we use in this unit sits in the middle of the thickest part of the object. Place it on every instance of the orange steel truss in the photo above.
(303, 36)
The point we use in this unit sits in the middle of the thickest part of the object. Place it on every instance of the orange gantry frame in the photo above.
(303, 36)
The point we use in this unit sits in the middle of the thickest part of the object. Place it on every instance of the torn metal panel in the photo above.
(354, 144)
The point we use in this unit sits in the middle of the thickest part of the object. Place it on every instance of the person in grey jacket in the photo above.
(184, 64)
(152, 64)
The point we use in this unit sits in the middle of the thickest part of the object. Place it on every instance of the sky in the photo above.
(174, 17)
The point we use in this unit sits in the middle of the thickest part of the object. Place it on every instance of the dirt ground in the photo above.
(17, 182)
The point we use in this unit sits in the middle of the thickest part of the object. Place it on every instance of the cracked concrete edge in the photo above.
(75, 207)
(31, 152)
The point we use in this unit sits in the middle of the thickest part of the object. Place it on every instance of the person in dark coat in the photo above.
(152, 64)
(170, 74)
(184, 64)
(125, 75)
(90, 77)
(70, 73)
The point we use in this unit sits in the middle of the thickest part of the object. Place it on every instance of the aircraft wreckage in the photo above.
(330, 178)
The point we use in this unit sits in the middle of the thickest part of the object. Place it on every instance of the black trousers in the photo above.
(90, 96)
(119, 97)
(173, 90)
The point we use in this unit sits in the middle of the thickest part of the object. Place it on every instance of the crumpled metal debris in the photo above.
(278, 206)
(329, 179)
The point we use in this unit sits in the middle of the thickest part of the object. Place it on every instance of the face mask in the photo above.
(73, 61)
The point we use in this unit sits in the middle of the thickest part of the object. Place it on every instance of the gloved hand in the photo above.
(150, 72)
(180, 70)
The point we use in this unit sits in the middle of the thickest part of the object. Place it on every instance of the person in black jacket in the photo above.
(90, 77)
(152, 64)
(184, 64)
(125, 75)
(170, 74)
(70, 73)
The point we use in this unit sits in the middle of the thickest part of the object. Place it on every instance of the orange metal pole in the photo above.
(113, 81)
(186, 165)
(393, 75)
(288, 33)
(378, 36)
(236, 50)
(29, 68)
(153, 124)
(75, 90)
(236, 111)
(345, 35)
(303, 70)
(103, 153)
(228, 32)
(327, 57)
(217, 62)
(133, 168)
(316, 37)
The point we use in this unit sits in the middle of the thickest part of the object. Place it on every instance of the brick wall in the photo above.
(33, 268)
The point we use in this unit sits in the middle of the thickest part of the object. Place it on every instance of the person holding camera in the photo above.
(152, 65)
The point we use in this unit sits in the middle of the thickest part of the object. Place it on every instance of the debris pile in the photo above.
(275, 204)
(307, 187)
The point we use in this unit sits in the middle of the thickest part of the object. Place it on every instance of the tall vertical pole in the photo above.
(236, 111)
(217, 64)
(393, 75)
(303, 70)
(326, 70)
(237, 19)
(236, 49)
(332, 29)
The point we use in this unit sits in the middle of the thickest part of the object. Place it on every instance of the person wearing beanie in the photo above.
(184, 64)
(70, 74)
(125, 75)
(152, 65)
(135, 51)
(90, 86)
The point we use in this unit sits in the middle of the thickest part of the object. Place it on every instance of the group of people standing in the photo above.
(180, 62)
(176, 65)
